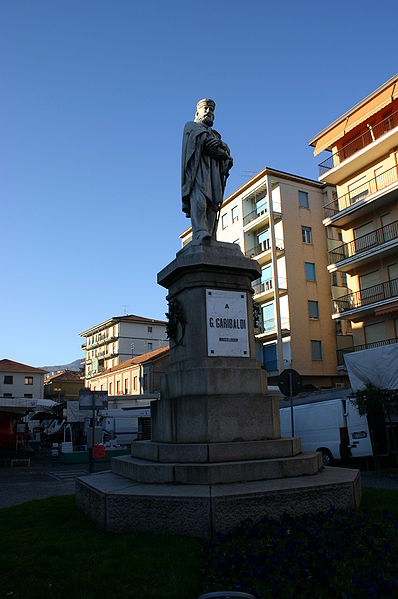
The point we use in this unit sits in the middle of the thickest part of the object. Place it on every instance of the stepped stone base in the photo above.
(216, 452)
(216, 472)
(118, 504)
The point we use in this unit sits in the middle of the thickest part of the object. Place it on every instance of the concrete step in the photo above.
(145, 471)
(216, 452)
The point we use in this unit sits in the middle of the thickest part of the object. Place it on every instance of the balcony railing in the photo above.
(264, 246)
(365, 297)
(360, 142)
(349, 350)
(365, 242)
(253, 215)
(263, 287)
(362, 191)
(269, 325)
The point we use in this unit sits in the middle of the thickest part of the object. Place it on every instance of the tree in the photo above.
(378, 405)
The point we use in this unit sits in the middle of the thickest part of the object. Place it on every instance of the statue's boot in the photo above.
(202, 234)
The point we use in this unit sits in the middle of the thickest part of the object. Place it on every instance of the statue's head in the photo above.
(205, 111)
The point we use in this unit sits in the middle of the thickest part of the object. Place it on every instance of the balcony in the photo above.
(95, 372)
(268, 328)
(364, 302)
(367, 147)
(342, 352)
(264, 287)
(265, 290)
(263, 247)
(364, 249)
(340, 211)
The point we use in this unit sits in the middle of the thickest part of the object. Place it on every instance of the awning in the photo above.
(365, 111)
(327, 140)
(387, 310)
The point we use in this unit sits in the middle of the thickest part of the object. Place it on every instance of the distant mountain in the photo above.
(74, 366)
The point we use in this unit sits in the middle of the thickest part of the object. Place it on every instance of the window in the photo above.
(316, 350)
(110, 388)
(224, 222)
(149, 329)
(268, 318)
(7, 394)
(29, 380)
(8, 379)
(135, 383)
(306, 234)
(150, 345)
(310, 271)
(374, 333)
(145, 383)
(266, 277)
(263, 241)
(126, 386)
(303, 199)
(234, 213)
(270, 357)
(28, 395)
(313, 309)
(261, 203)
(118, 387)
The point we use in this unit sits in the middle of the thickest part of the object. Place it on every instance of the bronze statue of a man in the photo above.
(206, 162)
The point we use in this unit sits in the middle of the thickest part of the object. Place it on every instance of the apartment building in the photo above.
(137, 376)
(119, 338)
(362, 220)
(276, 218)
(21, 380)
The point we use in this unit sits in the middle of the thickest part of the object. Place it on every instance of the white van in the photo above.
(332, 427)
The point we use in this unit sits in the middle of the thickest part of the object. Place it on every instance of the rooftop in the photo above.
(64, 376)
(125, 318)
(11, 366)
(148, 357)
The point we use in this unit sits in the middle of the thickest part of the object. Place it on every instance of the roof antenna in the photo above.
(124, 306)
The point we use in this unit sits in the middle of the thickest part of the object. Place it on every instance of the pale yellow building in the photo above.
(362, 220)
(276, 218)
(135, 377)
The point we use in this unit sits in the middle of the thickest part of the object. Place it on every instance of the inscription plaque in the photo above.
(227, 324)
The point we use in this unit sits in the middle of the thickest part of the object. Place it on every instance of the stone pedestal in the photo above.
(209, 398)
(216, 455)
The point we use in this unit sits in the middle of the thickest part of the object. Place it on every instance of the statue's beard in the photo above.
(206, 120)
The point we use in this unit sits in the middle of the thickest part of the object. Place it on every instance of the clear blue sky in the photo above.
(94, 96)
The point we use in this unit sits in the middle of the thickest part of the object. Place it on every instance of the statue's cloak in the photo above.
(199, 169)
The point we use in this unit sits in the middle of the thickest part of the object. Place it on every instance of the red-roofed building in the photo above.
(120, 338)
(64, 385)
(137, 376)
(21, 380)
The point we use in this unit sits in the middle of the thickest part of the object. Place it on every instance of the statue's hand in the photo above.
(226, 148)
